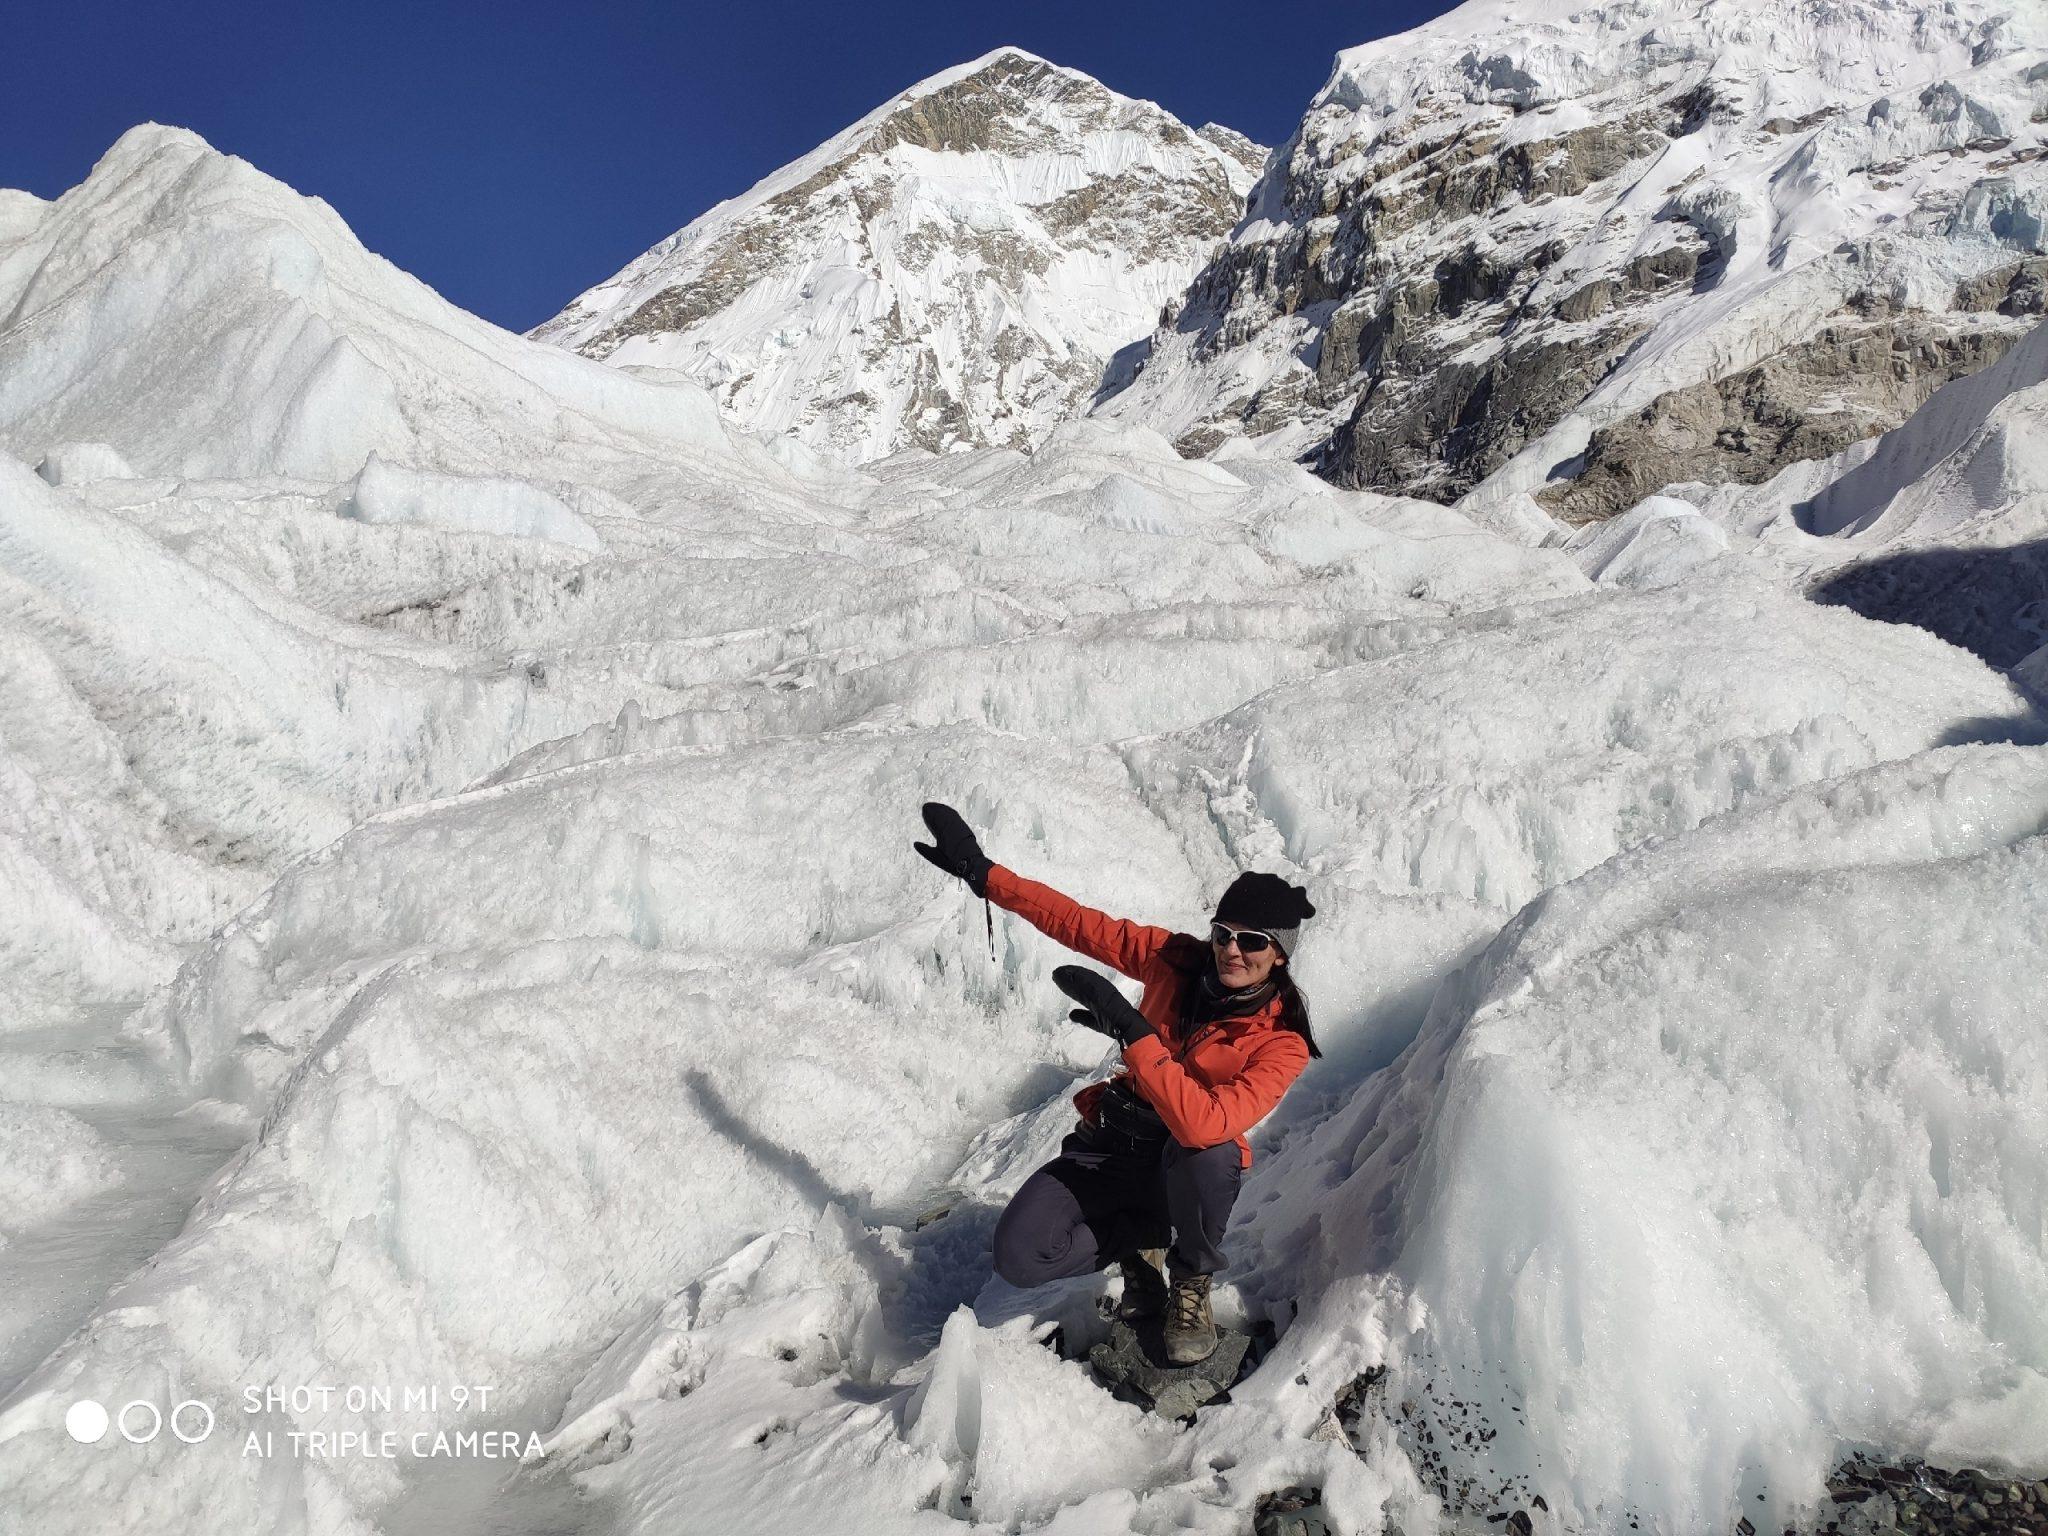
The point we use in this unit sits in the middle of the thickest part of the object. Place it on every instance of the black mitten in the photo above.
(1102, 1007)
(953, 847)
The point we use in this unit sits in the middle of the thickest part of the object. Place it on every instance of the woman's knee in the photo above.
(1039, 1235)
(1015, 1245)
(1212, 1170)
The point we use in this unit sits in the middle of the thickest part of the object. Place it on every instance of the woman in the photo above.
(1155, 1164)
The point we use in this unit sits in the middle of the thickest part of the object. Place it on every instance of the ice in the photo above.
(79, 463)
(1727, 1155)
(1035, 1432)
(51, 1161)
(2032, 674)
(2000, 211)
(385, 494)
(318, 353)
(256, 723)
(1656, 542)
(485, 946)
(599, 1077)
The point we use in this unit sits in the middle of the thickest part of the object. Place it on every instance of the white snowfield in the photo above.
(459, 927)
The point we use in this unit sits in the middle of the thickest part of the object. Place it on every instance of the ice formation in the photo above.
(460, 928)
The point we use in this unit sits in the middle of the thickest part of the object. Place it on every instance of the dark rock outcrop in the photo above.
(1131, 1365)
(1852, 380)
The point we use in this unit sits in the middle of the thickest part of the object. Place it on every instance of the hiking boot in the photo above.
(1144, 1285)
(1190, 1325)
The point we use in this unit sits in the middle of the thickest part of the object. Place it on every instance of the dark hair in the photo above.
(1192, 957)
(1294, 1008)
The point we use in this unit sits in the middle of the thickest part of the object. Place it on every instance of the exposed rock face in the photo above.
(1852, 379)
(1941, 522)
(955, 270)
(1637, 243)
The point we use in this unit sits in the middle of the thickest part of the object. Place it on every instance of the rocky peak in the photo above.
(954, 270)
(1007, 103)
(1234, 144)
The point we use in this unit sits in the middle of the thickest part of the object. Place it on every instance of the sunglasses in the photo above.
(1249, 940)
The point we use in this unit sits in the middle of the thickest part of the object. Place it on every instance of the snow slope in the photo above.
(243, 418)
(172, 263)
(463, 932)
(953, 270)
(600, 1081)
(1721, 1158)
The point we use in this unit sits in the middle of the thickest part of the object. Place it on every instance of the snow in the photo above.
(384, 494)
(172, 262)
(598, 1079)
(1534, 53)
(884, 292)
(459, 928)
(995, 1399)
(2032, 673)
(54, 1160)
(1881, 149)
(80, 463)
(1658, 541)
(1723, 1157)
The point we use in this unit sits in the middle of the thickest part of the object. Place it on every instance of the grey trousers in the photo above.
(1100, 1199)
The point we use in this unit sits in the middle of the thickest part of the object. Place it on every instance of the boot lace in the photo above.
(1188, 1298)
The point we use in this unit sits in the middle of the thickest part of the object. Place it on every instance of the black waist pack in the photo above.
(1124, 1114)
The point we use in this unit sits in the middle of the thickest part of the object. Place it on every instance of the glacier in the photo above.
(460, 928)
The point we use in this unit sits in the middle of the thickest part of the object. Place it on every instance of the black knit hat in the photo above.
(1267, 903)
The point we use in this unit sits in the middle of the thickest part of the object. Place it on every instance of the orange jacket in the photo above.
(1209, 1088)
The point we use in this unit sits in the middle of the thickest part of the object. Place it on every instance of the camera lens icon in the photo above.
(139, 1421)
(86, 1421)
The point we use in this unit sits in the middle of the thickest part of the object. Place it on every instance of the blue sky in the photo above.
(512, 154)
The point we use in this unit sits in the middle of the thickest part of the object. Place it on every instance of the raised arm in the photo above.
(1112, 941)
(1201, 1116)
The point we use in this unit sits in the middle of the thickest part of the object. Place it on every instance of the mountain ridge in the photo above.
(1501, 237)
(954, 269)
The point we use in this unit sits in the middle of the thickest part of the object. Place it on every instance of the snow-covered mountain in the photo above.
(1588, 250)
(953, 270)
(173, 262)
(458, 929)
